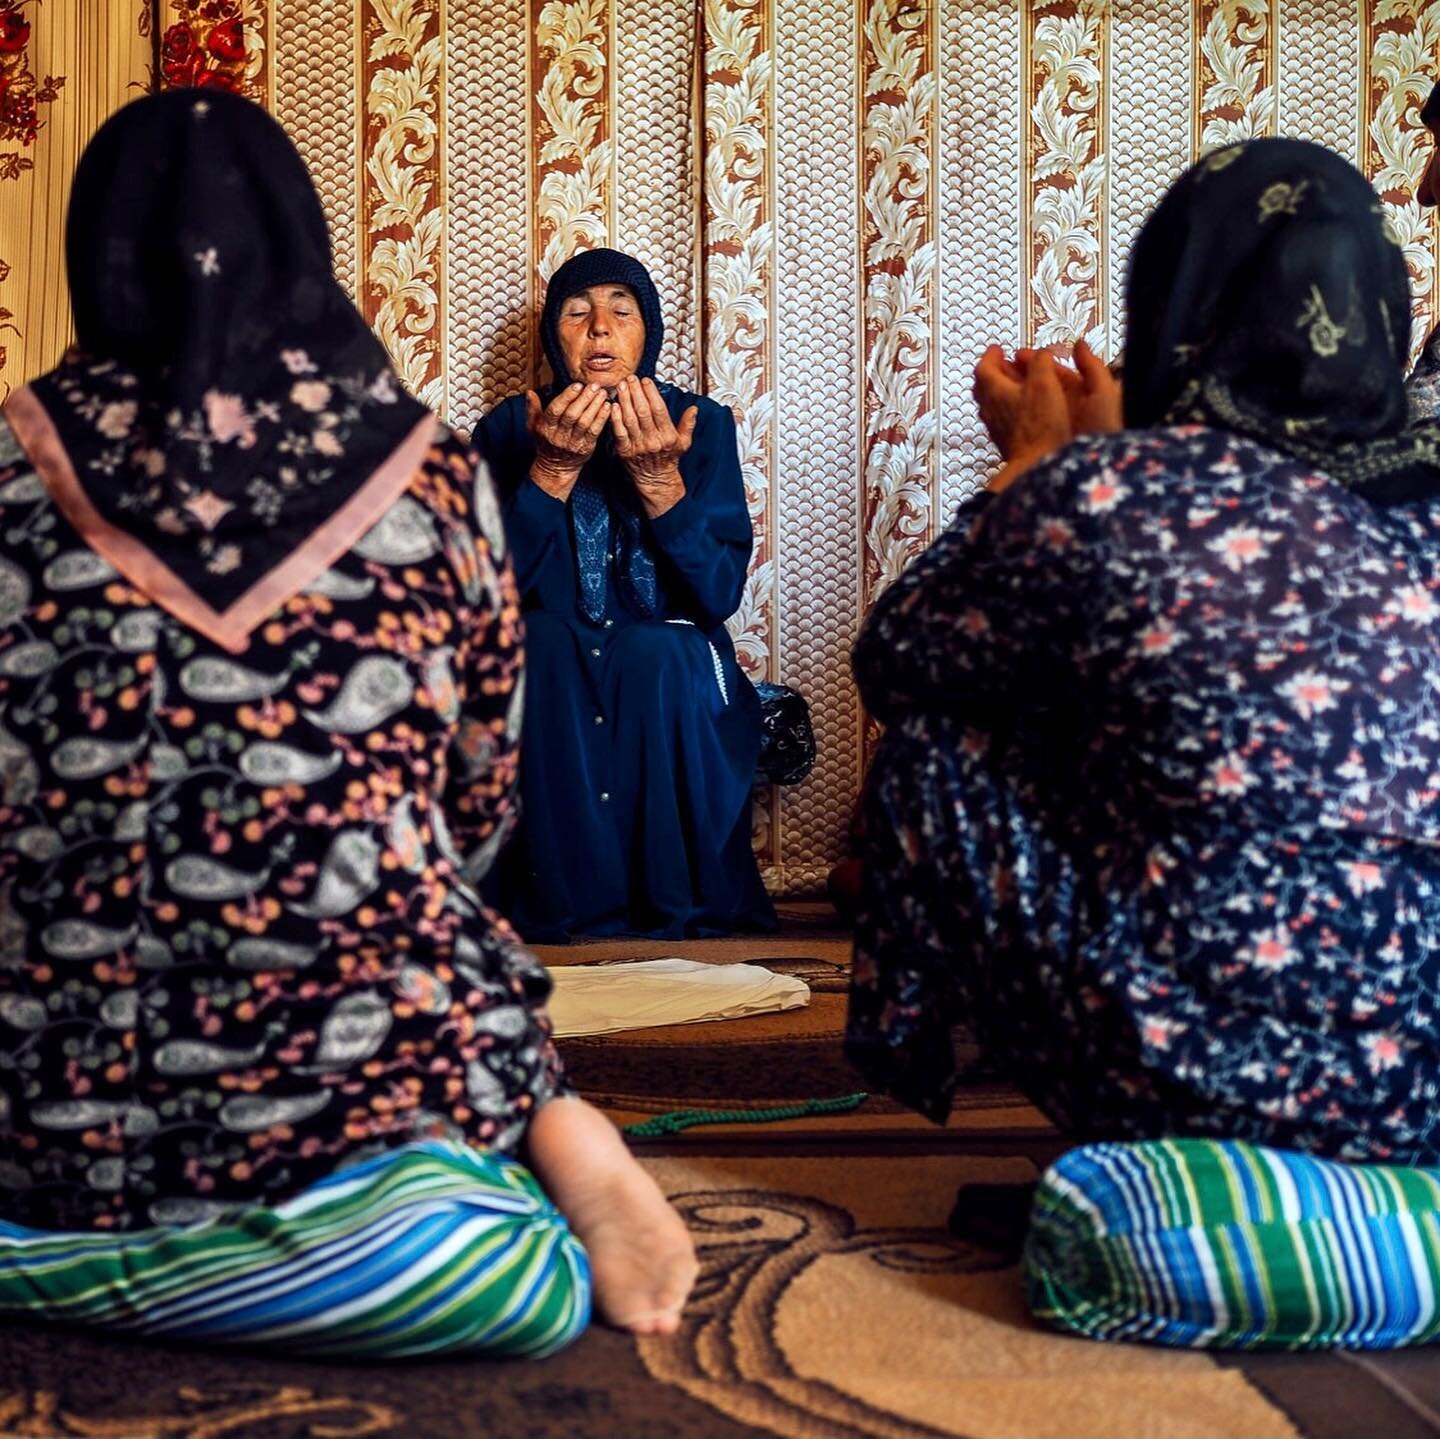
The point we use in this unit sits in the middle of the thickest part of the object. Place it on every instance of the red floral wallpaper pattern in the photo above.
(205, 46)
(21, 95)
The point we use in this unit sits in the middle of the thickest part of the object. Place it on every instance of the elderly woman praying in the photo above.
(630, 538)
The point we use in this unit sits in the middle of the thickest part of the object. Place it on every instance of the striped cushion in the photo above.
(1215, 1245)
(433, 1248)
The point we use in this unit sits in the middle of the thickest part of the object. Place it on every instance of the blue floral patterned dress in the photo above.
(1157, 807)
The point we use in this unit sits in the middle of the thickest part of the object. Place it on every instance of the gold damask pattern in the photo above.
(1236, 73)
(738, 278)
(1066, 53)
(856, 170)
(402, 265)
(256, 19)
(1401, 48)
(572, 148)
(898, 253)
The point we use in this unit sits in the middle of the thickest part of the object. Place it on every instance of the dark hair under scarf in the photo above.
(225, 402)
(1267, 298)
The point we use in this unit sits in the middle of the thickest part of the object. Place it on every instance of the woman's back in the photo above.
(238, 942)
(1251, 644)
(1177, 698)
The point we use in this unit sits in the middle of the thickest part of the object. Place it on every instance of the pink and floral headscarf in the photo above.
(227, 424)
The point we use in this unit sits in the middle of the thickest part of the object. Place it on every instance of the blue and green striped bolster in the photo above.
(1212, 1245)
(432, 1248)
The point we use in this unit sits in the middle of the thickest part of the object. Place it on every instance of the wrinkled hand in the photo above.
(1093, 395)
(1024, 409)
(565, 433)
(1101, 406)
(649, 444)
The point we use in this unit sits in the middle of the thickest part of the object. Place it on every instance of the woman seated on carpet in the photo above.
(630, 538)
(1156, 808)
(259, 680)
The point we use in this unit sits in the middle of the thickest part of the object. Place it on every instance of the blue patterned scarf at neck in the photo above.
(594, 516)
(634, 565)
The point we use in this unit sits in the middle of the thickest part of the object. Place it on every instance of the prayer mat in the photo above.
(775, 1061)
(622, 996)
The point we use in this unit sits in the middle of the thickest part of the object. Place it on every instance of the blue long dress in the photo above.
(641, 733)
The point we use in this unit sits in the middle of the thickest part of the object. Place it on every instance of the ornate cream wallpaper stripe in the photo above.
(1400, 43)
(738, 280)
(1234, 91)
(842, 201)
(572, 69)
(897, 254)
(1065, 161)
(402, 210)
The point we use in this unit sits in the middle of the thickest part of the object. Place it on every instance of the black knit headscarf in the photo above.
(1266, 297)
(582, 272)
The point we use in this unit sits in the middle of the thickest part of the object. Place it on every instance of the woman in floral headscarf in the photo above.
(259, 711)
(1158, 806)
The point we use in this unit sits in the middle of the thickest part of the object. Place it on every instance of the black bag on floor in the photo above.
(787, 745)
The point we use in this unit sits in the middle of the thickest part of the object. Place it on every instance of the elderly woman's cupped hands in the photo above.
(1033, 405)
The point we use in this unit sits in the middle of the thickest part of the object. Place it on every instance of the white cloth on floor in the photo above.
(644, 993)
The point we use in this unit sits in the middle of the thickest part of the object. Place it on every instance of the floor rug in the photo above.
(772, 1061)
(834, 1303)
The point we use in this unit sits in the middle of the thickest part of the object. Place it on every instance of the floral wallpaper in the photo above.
(21, 94)
(842, 201)
(219, 43)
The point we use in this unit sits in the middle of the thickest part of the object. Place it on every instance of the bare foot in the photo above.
(641, 1254)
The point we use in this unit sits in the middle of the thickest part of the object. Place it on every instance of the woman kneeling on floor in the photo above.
(259, 664)
(1156, 809)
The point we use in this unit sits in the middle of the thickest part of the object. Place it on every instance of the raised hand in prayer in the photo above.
(565, 432)
(1024, 410)
(1093, 395)
(1033, 406)
(649, 444)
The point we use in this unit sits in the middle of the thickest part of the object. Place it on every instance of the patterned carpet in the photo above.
(845, 1293)
(834, 1304)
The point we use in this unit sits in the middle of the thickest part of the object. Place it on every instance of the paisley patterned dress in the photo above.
(239, 941)
(1157, 811)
